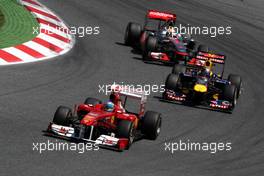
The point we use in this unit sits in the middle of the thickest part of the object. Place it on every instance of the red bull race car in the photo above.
(109, 124)
(200, 83)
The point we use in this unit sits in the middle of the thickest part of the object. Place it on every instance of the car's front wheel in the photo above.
(125, 129)
(237, 81)
(151, 44)
(172, 82)
(62, 116)
(230, 94)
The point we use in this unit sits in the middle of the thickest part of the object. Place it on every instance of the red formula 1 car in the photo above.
(115, 127)
(158, 40)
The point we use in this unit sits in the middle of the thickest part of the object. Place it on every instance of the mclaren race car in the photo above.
(200, 82)
(169, 48)
(110, 124)
(158, 39)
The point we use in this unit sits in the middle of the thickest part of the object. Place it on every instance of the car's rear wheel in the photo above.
(125, 129)
(151, 125)
(172, 82)
(237, 81)
(132, 34)
(191, 45)
(62, 116)
(177, 69)
(92, 101)
(203, 48)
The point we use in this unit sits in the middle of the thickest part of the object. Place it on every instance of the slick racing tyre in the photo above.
(203, 48)
(191, 45)
(237, 81)
(177, 69)
(151, 44)
(132, 34)
(146, 56)
(62, 116)
(230, 94)
(92, 101)
(151, 125)
(125, 129)
(143, 38)
(172, 82)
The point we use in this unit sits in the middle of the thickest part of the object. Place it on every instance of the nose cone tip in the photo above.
(200, 88)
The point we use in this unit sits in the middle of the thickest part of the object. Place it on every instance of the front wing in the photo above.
(105, 141)
(221, 105)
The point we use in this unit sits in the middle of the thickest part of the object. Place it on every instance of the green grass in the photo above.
(2, 19)
(16, 24)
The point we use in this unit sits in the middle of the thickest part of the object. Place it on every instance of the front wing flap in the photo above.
(222, 105)
(104, 141)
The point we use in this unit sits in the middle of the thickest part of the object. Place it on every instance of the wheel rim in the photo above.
(158, 127)
(131, 134)
(126, 36)
(235, 98)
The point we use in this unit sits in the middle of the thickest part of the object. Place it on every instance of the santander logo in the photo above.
(161, 14)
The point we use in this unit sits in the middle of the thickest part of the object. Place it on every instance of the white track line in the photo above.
(55, 31)
(40, 8)
(53, 40)
(49, 19)
(20, 54)
(41, 49)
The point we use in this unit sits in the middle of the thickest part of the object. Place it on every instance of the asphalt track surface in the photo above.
(30, 94)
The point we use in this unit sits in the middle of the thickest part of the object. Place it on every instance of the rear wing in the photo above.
(164, 16)
(215, 58)
(129, 91)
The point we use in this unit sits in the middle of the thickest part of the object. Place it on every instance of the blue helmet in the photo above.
(109, 106)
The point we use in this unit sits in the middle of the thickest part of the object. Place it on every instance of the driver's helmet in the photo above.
(179, 37)
(171, 32)
(109, 106)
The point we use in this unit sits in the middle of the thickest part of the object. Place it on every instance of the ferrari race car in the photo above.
(158, 40)
(200, 82)
(109, 124)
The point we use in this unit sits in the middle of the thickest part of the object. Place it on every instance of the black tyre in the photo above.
(146, 56)
(203, 48)
(92, 101)
(230, 94)
(191, 45)
(172, 82)
(125, 129)
(151, 44)
(151, 124)
(142, 40)
(177, 69)
(237, 81)
(132, 34)
(62, 116)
